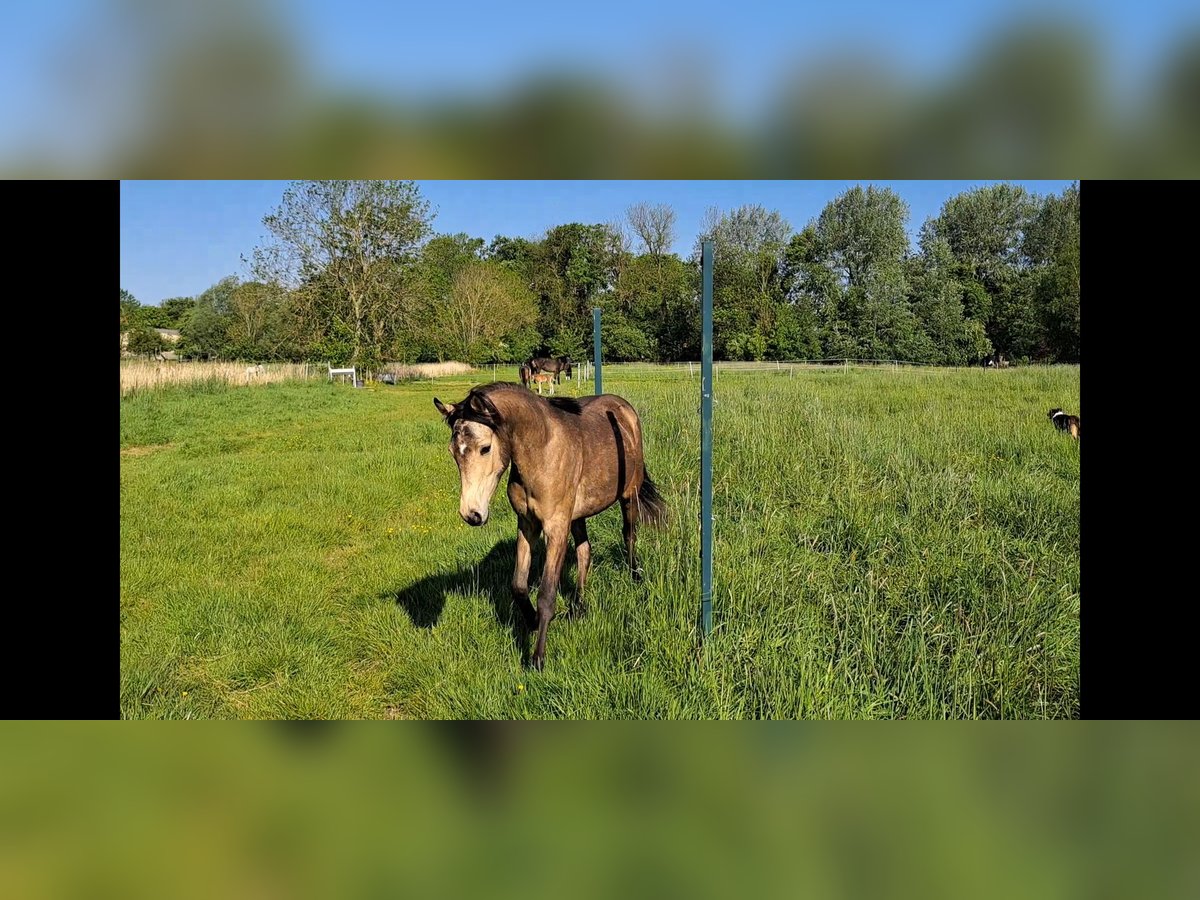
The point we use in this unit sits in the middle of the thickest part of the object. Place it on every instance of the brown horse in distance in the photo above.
(556, 366)
(570, 459)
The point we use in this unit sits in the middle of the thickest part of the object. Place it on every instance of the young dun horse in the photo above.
(570, 459)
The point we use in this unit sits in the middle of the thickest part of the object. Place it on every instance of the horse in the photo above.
(543, 378)
(570, 459)
(557, 367)
(528, 374)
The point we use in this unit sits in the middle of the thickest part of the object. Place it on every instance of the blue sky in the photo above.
(180, 237)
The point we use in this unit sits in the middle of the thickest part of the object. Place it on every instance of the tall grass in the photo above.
(889, 544)
(141, 374)
(416, 371)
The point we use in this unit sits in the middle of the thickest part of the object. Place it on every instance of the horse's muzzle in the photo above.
(473, 518)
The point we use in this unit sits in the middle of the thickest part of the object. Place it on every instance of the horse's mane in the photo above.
(478, 407)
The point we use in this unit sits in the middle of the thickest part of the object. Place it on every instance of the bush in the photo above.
(146, 342)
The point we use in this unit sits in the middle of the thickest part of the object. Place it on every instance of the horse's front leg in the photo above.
(556, 551)
(527, 533)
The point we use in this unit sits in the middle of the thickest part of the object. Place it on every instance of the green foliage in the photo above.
(354, 275)
(571, 345)
(520, 344)
(204, 331)
(145, 341)
(350, 249)
(621, 339)
(746, 345)
(336, 347)
(1051, 243)
(175, 309)
(129, 308)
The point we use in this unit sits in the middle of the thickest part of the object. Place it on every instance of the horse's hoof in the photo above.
(537, 663)
(577, 611)
(636, 574)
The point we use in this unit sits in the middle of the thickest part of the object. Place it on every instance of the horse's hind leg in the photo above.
(629, 529)
(583, 560)
(527, 533)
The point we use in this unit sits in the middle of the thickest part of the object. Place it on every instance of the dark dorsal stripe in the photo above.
(567, 405)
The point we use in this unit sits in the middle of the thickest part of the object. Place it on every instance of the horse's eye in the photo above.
(484, 451)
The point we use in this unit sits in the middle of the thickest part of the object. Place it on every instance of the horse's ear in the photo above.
(447, 410)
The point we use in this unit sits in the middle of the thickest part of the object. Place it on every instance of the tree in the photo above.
(153, 317)
(486, 304)
(129, 309)
(361, 239)
(748, 244)
(862, 233)
(204, 329)
(811, 295)
(441, 260)
(658, 298)
(654, 226)
(219, 295)
(938, 303)
(175, 308)
(145, 341)
(255, 320)
(1051, 244)
(983, 230)
(860, 243)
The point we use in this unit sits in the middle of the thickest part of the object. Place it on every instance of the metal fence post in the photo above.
(706, 399)
(596, 346)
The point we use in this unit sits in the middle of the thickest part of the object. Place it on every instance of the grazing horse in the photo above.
(557, 366)
(570, 459)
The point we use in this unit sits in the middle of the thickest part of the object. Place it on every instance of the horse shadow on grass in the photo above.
(424, 600)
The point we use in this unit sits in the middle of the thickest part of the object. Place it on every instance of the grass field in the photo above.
(889, 543)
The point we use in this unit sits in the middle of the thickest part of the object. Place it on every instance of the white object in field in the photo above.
(351, 372)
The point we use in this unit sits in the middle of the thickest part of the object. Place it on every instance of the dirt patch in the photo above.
(144, 450)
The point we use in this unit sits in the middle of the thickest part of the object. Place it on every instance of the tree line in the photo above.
(354, 272)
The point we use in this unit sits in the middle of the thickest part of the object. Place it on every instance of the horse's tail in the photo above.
(651, 507)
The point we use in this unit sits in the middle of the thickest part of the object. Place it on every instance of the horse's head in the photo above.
(478, 450)
(567, 366)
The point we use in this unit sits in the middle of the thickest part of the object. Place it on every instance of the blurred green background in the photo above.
(141, 89)
(128, 810)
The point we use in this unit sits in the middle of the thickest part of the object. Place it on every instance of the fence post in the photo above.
(596, 346)
(706, 399)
